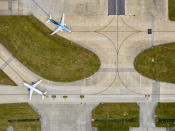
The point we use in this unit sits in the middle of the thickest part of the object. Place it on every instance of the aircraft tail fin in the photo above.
(50, 17)
(45, 93)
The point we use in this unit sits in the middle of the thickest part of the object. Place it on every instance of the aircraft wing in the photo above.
(31, 92)
(62, 20)
(37, 83)
(58, 29)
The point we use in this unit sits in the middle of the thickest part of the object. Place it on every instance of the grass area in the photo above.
(5, 80)
(165, 111)
(162, 68)
(51, 57)
(116, 112)
(18, 111)
(171, 7)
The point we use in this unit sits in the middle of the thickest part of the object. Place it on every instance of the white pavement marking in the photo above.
(116, 40)
(114, 52)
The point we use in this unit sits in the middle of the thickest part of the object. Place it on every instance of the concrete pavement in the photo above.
(147, 129)
(147, 118)
(65, 117)
(117, 40)
(147, 114)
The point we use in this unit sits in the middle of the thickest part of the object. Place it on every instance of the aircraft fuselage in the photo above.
(63, 27)
(34, 89)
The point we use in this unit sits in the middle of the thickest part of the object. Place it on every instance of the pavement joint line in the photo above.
(146, 95)
(10, 7)
(78, 94)
(156, 90)
(117, 70)
(152, 26)
(40, 7)
(99, 30)
(135, 29)
(124, 31)
(12, 68)
(116, 51)
(117, 39)
(6, 63)
(109, 31)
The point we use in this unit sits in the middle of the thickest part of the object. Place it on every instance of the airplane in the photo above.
(61, 25)
(32, 88)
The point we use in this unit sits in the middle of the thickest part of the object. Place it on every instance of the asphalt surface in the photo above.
(112, 7)
(120, 7)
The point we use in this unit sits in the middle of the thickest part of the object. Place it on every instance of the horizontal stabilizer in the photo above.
(45, 93)
(50, 17)
(37, 83)
(58, 29)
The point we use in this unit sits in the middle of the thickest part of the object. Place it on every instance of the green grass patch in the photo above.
(115, 116)
(165, 115)
(18, 111)
(162, 68)
(171, 8)
(51, 57)
(5, 80)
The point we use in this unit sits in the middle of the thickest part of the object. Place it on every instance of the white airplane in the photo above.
(61, 25)
(32, 88)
